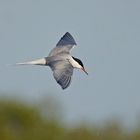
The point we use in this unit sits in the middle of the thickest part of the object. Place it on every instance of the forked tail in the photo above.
(41, 61)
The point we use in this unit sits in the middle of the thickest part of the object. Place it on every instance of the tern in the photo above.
(60, 61)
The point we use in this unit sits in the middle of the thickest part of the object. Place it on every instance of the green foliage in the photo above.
(23, 121)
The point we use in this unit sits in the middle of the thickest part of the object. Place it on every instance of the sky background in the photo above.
(108, 38)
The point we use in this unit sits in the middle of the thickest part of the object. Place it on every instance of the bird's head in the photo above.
(80, 63)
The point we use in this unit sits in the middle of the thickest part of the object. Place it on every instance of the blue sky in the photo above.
(108, 38)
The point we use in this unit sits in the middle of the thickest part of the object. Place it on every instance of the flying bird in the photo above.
(60, 61)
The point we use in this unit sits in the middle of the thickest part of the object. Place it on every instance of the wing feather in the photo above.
(67, 39)
(62, 72)
(65, 44)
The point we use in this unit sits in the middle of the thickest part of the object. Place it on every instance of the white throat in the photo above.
(74, 63)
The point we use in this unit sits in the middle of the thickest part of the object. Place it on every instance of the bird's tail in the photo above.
(41, 61)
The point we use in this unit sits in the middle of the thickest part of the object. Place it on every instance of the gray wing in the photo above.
(62, 72)
(64, 45)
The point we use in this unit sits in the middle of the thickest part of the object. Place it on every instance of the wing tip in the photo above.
(66, 39)
(64, 84)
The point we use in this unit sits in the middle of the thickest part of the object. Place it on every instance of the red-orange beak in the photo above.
(83, 69)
